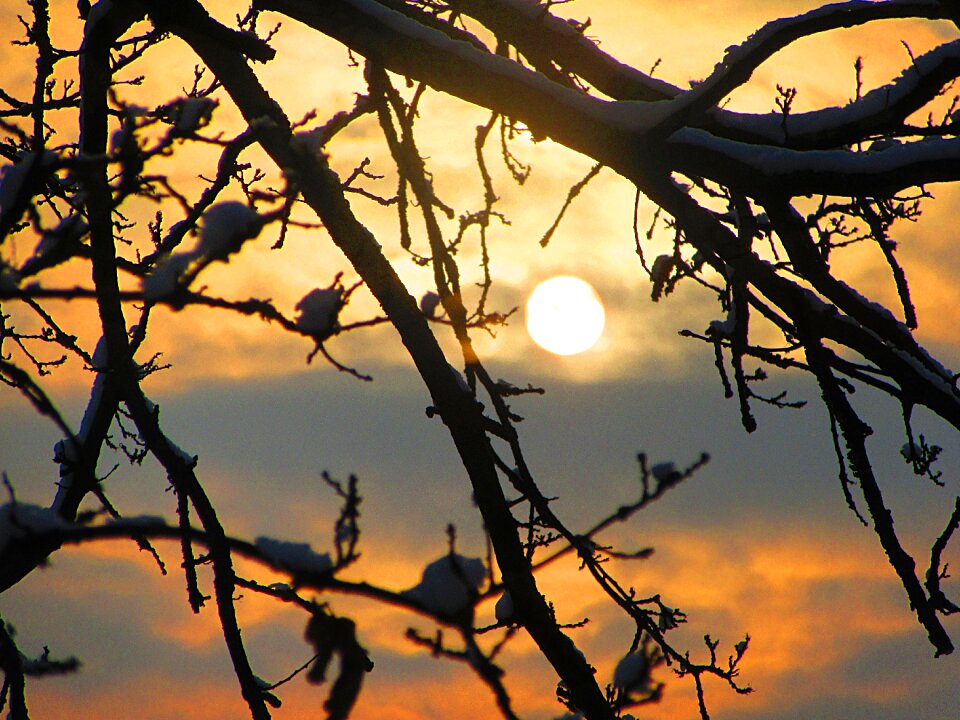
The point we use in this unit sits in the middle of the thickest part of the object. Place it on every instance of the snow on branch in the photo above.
(318, 311)
(298, 558)
(534, 31)
(758, 170)
(226, 227)
(740, 61)
(449, 585)
(878, 111)
(19, 521)
(403, 46)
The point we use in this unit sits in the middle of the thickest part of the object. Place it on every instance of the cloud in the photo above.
(759, 541)
(151, 694)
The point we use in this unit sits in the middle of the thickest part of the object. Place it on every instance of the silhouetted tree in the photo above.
(757, 204)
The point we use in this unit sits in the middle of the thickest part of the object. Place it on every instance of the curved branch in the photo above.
(322, 190)
(855, 433)
(755, 169)
(740, 61)
(883, 110)
(528, 26)
(95, 80)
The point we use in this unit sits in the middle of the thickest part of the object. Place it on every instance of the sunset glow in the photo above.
(613, 379)
(565, 315)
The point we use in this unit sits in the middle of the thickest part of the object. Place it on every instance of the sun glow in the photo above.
(565, 315)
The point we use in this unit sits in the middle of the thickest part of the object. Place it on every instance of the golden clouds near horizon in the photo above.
(811, 614)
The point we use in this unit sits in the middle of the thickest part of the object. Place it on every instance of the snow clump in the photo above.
(661, 268)
(15, 176)
(504, 610)
(668, 619)
(659, 274)
(19, 520)
(192, 114)
(309, 142)
(911, 452)
(429, 303)
(72, 226)
(293, 556)
(664, 471)
(165, 277)
(226, 226)
(633, 673)
(319, 309)
(449, 584)
(461, 380)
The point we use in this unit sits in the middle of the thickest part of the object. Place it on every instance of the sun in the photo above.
(565, 315)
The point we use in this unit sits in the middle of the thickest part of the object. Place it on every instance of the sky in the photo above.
(759, 541)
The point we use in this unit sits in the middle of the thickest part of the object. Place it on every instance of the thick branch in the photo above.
(594, 127)
(755, 169)
(545, 38)
(322, 190)
(95, 80)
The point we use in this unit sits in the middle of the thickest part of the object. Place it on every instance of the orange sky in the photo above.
(759, 542)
